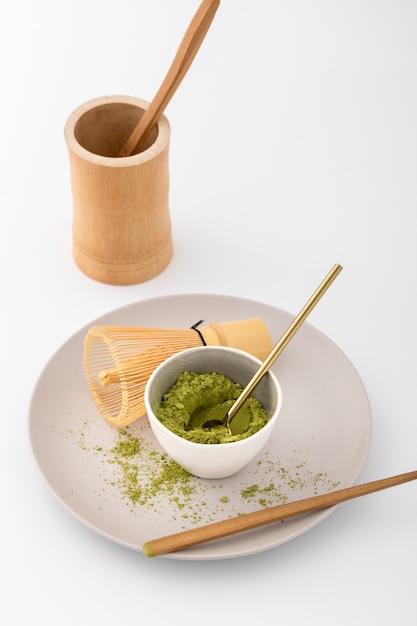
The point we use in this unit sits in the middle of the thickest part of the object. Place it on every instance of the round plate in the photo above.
(122, 486)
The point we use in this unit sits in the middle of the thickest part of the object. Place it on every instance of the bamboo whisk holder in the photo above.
(118, 360)
(121, 222)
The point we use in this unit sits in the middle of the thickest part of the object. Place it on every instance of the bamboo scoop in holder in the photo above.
(118, 360)
(121, 222)
(189, 47)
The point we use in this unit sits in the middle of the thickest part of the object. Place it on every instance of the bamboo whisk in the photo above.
(118, 360)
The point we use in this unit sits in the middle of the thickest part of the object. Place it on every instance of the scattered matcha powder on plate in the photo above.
(146, 479)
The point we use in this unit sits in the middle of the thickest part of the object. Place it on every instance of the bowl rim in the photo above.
(154, 420)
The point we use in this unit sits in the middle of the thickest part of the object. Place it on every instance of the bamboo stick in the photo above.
(248, 521)
(189, 47)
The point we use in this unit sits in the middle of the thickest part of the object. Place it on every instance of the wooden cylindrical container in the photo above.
(121, 221)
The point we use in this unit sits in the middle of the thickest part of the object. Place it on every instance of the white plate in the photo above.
(320, 442)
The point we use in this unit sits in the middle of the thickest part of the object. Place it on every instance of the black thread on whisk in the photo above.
(194, 327)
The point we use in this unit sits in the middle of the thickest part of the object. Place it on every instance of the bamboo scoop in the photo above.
(189, 47)
(248, 521)
(228, 416)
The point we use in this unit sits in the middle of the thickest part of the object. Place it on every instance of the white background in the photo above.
(293, 147)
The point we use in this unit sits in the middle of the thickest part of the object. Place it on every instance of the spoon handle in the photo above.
(286, 337)
(189, 46)
(248, 521)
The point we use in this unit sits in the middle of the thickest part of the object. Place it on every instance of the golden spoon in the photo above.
(189, 46)
(276, 351)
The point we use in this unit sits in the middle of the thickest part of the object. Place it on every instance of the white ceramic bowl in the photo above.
(212, 460)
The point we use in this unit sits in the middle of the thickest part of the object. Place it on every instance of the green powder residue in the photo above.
(128, 447)
(140, 484)
(285, 482)
(149, 482)
(200, 394)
